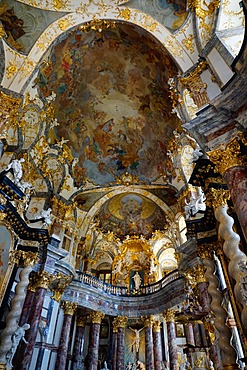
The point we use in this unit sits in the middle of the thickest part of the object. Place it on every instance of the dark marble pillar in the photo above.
(27, 306)
(79, 342)
(189, 333)
(236, 179)
(171, 334)
(114, 345)
(121, 323)
(157, 346)
(42, 282)
(69, 309)
(93, 353)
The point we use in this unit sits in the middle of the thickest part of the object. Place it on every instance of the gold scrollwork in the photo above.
(148, 321)
(97, 25)
(24, 258)
(156, 326)
(228, 155)
(43, 279)
(81, 321)
(195, 86)
(218, 197)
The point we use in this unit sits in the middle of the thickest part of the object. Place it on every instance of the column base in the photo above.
(2, 366)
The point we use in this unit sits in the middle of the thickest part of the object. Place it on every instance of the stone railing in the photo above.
(124, 291)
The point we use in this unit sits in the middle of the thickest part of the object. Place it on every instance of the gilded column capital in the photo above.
(68, 307)
(148, 321)
(115, 325)
(81, 321)
(97, 317)
(22, 258)
(218, 197)
(60, 286)
(156, 326)
(227, 156)
(43, 279)
(122, 321)
(169, 315)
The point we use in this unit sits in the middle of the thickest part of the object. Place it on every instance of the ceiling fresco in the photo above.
(131, 214)
(112, 102)
(170, 13)
(23, 24)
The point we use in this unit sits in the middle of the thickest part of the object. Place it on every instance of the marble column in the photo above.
(93, 353)
(237, 259)
(197, 335)
(121, 323)
(232, 166)
(79, 342)
(171, 333)
(69, 309)
(114, 344)
(189, 334)
(157, 346)
(26, 259)
(27, 305)
(42, 282)
(149, 345)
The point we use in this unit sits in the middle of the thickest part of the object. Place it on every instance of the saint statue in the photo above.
(137, 280)
(105, 366)
(16, 338)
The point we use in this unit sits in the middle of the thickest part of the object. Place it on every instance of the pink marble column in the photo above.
(27, 306)
(171, 334)
(203, 296)
(62, 352)
(79, 341)
(94, 343)
(120, 323)
(197, 335)
(189, 333)
(157, 346)
(42, 282)
(236, 179)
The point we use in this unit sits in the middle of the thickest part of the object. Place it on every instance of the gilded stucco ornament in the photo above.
(127, 179)
(59, 287)
(121, 321)
(9, 112)
(169, 315)
(68, 307)
(218, 197)
(24, 258)
(156, 326)
(195, 86)
(43, 279)
(97, 317)
(81, 321)
(149, 321)
(97, 25)
(229, 155)
(205, 250)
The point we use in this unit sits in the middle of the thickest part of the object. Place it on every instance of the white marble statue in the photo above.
(105, 366)
(129, 366)
(46, 215)
(18, 335)
(16, 166)
(137, 280)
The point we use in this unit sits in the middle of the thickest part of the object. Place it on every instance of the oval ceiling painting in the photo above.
(131, 214)
(112, 102)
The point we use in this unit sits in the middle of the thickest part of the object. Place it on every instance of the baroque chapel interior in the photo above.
(123, 185)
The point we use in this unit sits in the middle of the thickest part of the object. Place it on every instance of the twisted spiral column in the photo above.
(228, 353)
(13, 317)
(231, 248)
